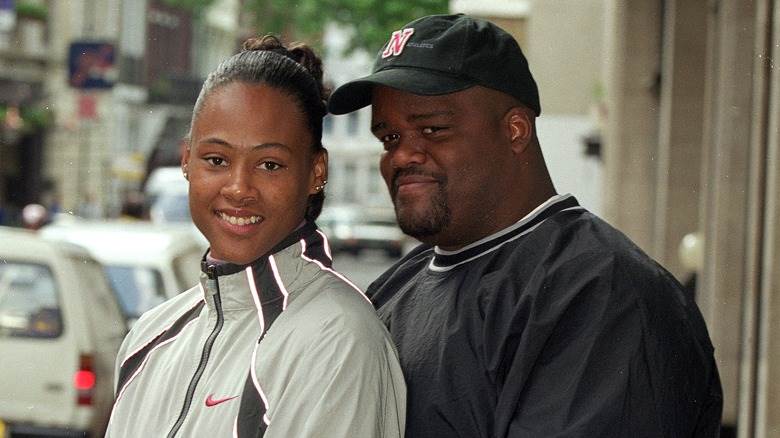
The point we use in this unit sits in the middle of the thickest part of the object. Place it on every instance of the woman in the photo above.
(272, 342)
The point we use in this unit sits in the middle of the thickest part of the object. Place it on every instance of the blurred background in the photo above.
(662, 116)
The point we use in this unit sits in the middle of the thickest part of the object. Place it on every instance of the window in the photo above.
(138, 289)
(352, 123)
(350, 176)
(375, 181)
(29, 302)
(327, 124)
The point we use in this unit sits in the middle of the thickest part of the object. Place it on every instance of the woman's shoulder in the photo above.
(333, 305)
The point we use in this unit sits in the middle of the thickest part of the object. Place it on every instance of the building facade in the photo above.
(684, 100)
(691, 146)
(354, 176)
(24, 110)
(117, 81)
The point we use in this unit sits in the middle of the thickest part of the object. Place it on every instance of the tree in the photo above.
(372, 20)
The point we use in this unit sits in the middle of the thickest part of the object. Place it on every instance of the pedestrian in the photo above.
(522, 314)
(35, 216)
(272, 342)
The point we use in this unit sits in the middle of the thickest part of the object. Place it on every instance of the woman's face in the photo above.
(251, 169)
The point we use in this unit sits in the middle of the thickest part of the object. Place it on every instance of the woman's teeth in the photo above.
(239, 220)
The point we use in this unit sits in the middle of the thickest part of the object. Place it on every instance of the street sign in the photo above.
(91, 65)
(7, 15)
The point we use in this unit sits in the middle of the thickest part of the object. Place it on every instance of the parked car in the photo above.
(167, 193)
(60, 330)
(354, 228)
(145, 263)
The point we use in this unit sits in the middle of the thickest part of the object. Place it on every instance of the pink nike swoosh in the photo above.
(213, 402)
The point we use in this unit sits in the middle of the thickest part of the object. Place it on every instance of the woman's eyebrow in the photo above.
(221, 142)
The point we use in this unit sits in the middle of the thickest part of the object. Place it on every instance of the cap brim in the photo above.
(357, 94)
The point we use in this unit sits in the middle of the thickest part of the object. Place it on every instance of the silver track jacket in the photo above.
(283, 347)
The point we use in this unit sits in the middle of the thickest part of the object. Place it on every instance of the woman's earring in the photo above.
(184, 171)
(321, 186)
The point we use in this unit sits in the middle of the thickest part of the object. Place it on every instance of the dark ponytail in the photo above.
(296, 70)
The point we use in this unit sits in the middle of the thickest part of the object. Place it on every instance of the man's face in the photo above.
(251, 170)
(445, 162)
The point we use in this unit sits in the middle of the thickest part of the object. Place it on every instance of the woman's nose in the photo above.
(239, 189)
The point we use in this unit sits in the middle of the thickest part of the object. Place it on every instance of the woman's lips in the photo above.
(239, 219)
(238, 222)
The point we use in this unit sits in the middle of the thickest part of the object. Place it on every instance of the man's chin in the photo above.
(420, 226)
(421, 220)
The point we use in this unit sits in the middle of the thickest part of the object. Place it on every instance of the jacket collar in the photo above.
(270, 278)
(444, 260)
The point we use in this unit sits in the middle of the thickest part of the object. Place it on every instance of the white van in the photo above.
(146, 263)
(167, 195)
(60, 330)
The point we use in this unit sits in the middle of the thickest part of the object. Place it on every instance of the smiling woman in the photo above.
(251, 170)
(205, 363)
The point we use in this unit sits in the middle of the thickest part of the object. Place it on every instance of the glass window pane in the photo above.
(138, 289)
(29, 301)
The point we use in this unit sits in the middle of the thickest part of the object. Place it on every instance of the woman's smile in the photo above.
(251, 170)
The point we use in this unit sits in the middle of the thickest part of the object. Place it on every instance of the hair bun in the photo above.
(305, 56)
(298, 52)
(266, 42)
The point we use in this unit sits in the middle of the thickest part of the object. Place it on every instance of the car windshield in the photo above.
(138, 288)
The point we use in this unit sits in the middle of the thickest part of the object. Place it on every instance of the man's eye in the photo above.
(389, 138)
(270, 165)
(428, 130)
(216, 161)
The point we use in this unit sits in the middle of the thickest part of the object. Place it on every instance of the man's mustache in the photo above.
(414, 171)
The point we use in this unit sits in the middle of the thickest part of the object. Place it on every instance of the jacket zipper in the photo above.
(213, 284)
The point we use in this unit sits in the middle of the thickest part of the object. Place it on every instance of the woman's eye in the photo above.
(270, 165)
(216, 161)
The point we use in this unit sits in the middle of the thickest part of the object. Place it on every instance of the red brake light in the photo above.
(84, 380)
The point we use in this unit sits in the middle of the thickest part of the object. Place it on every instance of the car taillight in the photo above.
(84, 380)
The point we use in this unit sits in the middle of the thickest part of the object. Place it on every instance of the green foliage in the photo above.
(194, 6)
(372, 20)
(32, 117)
(37, 117)
(28, 9)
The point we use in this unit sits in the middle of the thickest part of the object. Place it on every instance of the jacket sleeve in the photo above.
(347, 384)
(605, 350)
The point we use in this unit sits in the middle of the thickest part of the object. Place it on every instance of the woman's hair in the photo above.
(294, 69)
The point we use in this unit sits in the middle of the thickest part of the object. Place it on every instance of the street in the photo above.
(363, 269)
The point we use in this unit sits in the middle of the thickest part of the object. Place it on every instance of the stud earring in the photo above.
(184, 172)
(321, 186)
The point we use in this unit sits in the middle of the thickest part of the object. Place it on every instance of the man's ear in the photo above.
(520, 128)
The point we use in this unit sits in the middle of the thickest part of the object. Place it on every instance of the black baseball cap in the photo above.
(442, 54)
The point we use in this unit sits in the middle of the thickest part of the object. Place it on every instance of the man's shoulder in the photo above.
(570, 236)
(400, 272)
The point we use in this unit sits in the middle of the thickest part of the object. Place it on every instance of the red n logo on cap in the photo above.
(397, 42)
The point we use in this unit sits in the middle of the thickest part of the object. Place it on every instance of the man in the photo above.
(522, 315)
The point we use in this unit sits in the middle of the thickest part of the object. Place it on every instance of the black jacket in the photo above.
(557, 326)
